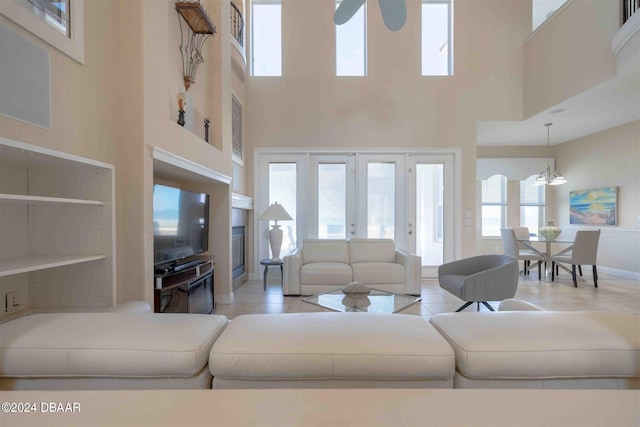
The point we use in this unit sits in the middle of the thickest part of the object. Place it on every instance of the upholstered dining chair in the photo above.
(480, 279)
(584, 251)
(522, 233)
(511, 248)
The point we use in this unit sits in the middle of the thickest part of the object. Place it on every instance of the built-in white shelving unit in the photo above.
(57, 234)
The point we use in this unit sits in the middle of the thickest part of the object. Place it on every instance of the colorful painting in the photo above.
(596, 206)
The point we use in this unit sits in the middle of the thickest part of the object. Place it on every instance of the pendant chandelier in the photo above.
(548, 176)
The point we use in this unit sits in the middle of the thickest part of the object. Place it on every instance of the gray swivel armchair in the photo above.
(480, 279)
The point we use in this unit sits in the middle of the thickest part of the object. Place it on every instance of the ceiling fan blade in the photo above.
(346, 10)
(394, 13)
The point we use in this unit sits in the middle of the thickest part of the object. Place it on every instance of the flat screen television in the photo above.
(180, 224)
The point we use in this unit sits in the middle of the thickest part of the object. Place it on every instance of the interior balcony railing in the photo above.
(629, 8)
(237, 24)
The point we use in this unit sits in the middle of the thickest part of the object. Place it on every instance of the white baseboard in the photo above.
(632, 275)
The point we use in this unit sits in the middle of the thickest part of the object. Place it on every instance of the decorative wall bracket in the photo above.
(199, 28)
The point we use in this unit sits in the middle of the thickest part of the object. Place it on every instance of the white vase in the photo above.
(550, 231)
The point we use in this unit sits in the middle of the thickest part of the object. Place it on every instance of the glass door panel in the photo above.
(332, 201)
(380, 182)
(381, 206)
(430, 210)
(429, 229)
(282, 189)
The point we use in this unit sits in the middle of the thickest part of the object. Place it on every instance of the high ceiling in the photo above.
(605, 106)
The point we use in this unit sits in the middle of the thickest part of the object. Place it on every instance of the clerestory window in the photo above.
(266, 38)
(351, 44)
(437, 38)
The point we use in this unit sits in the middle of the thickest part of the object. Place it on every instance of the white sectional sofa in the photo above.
(331, 350)
(521, 348)
(322, 265)
(517, 347)
(529, 348)
(119, 349)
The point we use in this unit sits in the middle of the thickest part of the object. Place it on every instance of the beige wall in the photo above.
(211, 97)
(605, 159)
(96, 111)
(394, 106)
(559, 64)
(122, 102)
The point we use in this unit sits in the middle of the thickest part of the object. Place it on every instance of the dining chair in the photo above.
(522, 233)
(584, 251)
(510, 245)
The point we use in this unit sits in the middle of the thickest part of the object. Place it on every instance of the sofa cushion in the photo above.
(373, 273)
(372, 250)
(331, 346)
(326, 273)
(543, 344)
(325, 250)
(107, 344)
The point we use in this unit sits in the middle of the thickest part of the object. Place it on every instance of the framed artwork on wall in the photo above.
(236, 129)
(595, 206)
(58, 22)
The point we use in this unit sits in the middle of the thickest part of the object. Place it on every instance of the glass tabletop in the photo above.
(543, 240)
(376, 301)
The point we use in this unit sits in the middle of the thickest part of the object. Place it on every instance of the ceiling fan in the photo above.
(394, 12)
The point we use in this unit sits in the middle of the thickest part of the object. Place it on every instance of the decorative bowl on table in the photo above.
(356, 289)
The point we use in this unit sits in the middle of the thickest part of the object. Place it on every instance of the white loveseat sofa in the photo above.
(322, 265)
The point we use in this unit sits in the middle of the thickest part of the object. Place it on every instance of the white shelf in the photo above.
(25, 264)
(41, 200)
(60, 207)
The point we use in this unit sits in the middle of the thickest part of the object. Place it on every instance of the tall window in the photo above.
(351, 45)
(266, 38)
(532, 203)
(437, 38)
(494, 205)
(282, 189)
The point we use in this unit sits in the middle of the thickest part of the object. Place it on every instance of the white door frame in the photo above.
(302, 157)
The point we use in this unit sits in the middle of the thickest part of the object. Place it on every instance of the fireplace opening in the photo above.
(237, 251)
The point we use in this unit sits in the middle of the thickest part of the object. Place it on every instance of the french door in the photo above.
(401, 196)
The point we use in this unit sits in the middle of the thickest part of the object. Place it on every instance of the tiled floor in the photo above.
(613, 294)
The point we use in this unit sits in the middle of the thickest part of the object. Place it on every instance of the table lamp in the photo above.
(276, 213)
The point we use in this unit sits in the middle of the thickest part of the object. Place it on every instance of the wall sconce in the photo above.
(192, 38)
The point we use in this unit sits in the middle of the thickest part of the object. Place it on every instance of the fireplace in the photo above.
(238, 251)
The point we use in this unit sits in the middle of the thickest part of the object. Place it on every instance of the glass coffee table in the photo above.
(376, 301)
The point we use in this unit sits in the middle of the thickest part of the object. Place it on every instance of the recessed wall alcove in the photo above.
(170, 168)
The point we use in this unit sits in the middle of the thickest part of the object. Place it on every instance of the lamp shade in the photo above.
(275, 212)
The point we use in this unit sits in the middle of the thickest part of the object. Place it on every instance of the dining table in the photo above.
(547, 254)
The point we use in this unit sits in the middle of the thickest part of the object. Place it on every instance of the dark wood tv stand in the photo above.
(189, 290)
